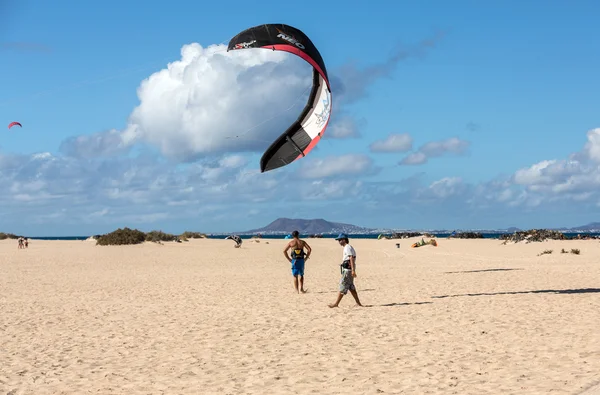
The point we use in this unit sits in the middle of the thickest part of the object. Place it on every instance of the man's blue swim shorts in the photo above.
(298, 267)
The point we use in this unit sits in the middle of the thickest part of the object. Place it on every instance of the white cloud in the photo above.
(438, 148)
(560, 177)
(107, 143)
(534, 175)
(48, 190)
(332, 189)
(434, 149)
(447, 186)
(233, 161)
(416, 158)
(210, 101)
(215, 101)
(344, 165)
(592, 147)
(550, 186)
(193, 110)
(345, 127)
(393, 143)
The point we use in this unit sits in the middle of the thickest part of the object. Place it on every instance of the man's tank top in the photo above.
(298, 253)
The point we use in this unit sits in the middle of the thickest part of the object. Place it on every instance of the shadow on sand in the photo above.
(334, 292)
(484, 270)
(396, 304)
(541, 291)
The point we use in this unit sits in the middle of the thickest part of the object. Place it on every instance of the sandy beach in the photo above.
(465, 317)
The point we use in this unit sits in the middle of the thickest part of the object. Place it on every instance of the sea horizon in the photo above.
(486, 235)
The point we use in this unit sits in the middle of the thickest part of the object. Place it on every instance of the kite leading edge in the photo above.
(302, 136)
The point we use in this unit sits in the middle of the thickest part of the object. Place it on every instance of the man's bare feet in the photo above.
(303, 291)
(332, 305)
(358, 305)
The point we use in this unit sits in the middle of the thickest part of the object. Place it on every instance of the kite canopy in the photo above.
(236, 238)
(302, 136)
(10, 125)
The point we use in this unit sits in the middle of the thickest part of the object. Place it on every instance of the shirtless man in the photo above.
(297, 259)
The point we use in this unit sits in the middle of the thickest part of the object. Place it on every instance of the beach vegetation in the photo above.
(158, 235)
(134, 236)
(123, 236)
(533, 235)
(408, 235)
(575, 251)
(4, 236)
(193, 235)
(545, 252)
(467, 235)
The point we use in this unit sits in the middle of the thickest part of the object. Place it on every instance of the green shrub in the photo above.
(193, 235)
(133, 236)
(123, 236)
(158, 235)
(4, 236)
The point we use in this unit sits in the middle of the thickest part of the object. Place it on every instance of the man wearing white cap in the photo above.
(348, 270)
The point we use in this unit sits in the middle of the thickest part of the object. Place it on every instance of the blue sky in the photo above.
(458, 114)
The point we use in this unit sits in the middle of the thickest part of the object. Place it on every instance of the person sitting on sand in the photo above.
(348, 271)
(297, 259)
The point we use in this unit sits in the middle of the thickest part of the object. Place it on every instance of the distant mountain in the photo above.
(593, 226)
(308, 226)
(318, 226)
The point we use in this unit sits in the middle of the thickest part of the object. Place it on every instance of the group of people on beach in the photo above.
(23, 242)
(299, 256)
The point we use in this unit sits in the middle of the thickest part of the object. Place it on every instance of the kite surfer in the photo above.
(237, 239)
(348, 271)
(297, 259)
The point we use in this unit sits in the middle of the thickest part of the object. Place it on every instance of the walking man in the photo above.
(348, 271)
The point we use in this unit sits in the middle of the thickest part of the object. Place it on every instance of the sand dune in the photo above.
(466, 317)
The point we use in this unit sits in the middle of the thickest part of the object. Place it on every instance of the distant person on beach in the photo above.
(348, 271)
(297, 258)
(20, 240)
